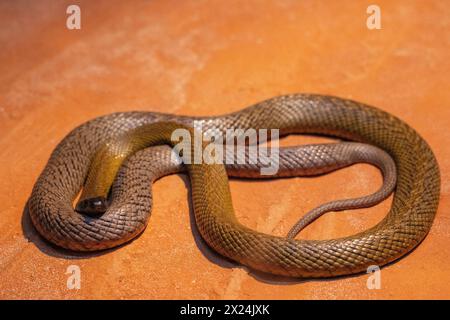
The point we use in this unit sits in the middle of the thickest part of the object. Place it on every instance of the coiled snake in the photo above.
(97, 149)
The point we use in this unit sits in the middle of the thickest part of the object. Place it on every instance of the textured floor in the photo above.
(204, 58)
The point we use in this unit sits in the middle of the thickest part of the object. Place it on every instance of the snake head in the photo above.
(92, 206)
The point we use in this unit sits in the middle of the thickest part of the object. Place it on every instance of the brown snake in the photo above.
(99, 147)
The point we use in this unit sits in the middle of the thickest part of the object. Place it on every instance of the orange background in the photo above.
(209, 58)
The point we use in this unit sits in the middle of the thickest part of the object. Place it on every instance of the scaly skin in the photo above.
(409, 220)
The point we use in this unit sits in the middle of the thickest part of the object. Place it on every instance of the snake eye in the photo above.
(92, 206)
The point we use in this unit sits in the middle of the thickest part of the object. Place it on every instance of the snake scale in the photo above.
(95, 143)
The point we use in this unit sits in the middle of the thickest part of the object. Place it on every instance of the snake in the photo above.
(94, 192)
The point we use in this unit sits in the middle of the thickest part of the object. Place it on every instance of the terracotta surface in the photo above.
(205, 58)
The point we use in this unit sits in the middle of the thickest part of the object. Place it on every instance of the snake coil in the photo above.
(407, 223)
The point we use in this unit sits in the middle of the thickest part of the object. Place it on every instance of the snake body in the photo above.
(407, 223)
